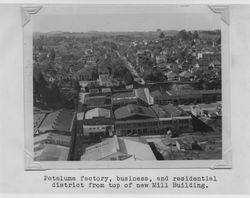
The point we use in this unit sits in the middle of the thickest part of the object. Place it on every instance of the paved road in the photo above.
(131, 68)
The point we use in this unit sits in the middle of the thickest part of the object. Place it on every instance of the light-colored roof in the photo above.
(100, 150)
(138, 150)
(144, 95)
(121, 146)
(61, 120)
(98, 112)
(171, 74)
(185, 74)
(80, 116)
(51, 152)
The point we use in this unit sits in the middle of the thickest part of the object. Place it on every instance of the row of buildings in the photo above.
(53, 135)
(135, 120)
(130, 113)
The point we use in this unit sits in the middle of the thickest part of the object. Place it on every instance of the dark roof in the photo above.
(156, 93)
(132, 109)
(174, 110)
(61, 120)
(160, 112)
(169, 110)
(212, 91)
(97, 100)
(123, 95)
(38, 118)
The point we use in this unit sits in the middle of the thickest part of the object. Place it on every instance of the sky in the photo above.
(125, 22)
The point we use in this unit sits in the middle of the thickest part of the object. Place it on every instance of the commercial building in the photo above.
(98, 122)
(56, 128)
(51, 152)
(117, 148)
(135, 120)
(139, 96)
(100, 101)
(172, 118)
(179, 97)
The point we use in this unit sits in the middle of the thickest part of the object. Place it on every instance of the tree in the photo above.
(77, 86)
(52, 55)
(162, 35)
(128, 78)
(218, 41)
(189, 35)
(195, 35)
(183, 34)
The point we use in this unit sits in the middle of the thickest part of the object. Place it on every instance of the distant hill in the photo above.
(134, 34)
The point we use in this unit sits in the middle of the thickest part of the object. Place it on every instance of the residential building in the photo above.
(104, 80)
(186, 76)
(172, 76)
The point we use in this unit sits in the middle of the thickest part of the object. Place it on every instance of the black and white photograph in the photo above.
(124, 98)
(127, 86)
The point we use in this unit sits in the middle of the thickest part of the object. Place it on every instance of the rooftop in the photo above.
(97, 100)
(121, 148)
(98, 112)
(51, 152)
(185, 74)
(125, 96)
(144, 95)
(168, 111)
(132, 110)
(38, 118)
(61, 120)
(171, 74)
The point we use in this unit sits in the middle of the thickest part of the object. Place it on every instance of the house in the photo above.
(98, 122)
(186, 76)
(104, 80)
(172, 76)
(160, 59)
(215, 64)
(207, 110)
(85, 74)
(117, 148)
(184, 65)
